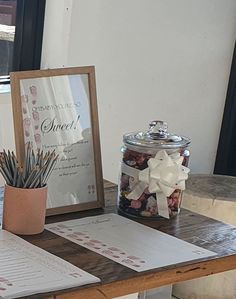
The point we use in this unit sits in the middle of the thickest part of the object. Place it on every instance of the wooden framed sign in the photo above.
(57, 109)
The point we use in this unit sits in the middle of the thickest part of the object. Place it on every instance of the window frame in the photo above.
(28, 39)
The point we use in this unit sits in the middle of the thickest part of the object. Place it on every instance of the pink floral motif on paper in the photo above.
(35, 115)
(24, 107)
(26, 124)
(27, 133)
(37, 138)
(33, 90)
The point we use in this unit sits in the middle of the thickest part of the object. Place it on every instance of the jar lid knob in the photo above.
(158, 129)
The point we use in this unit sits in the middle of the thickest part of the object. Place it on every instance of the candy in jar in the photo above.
(153, 172)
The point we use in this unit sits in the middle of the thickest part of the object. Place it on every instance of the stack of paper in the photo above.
(26, 269)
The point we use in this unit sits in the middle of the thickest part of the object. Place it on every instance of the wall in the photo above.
(154, 59)
(6, 123)
(56, 33)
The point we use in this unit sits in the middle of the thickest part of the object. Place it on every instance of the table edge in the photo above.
(152, 280)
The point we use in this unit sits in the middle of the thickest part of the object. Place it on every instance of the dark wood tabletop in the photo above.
(118, 280)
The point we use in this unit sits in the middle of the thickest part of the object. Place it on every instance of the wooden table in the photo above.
(117, 280)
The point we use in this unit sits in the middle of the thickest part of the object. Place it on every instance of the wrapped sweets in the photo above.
(153, 172)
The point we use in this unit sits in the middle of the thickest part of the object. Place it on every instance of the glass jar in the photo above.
(153, 172)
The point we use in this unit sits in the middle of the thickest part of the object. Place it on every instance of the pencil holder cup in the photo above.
(24, 210)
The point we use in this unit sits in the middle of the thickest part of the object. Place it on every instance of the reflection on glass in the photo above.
(56, 115)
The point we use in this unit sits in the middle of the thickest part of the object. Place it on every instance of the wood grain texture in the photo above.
(117, 280)
(150, 281)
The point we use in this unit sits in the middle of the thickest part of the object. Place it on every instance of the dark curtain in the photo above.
(226, 153)
(29, 34)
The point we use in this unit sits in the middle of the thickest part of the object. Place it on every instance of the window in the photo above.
(21, 35)
(7, 33)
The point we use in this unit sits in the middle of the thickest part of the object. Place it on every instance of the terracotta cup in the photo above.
(24, 210)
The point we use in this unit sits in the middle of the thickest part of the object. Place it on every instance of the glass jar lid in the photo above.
(156, 137)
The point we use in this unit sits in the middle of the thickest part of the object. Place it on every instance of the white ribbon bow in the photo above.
(164, 174)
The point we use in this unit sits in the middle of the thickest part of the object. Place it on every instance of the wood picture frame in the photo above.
(41, 101)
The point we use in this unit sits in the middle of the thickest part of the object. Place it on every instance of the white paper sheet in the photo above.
(129, 243)
(26, 269)
(57, 116)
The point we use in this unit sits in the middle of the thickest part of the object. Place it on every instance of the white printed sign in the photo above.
(56, 116)
(56, 110)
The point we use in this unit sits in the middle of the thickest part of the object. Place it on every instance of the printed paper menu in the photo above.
(26, 269)
(129, 243)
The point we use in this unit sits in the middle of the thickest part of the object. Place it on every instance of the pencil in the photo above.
(36, 169)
